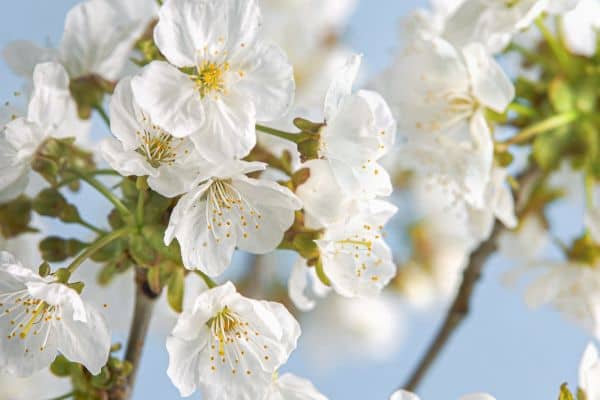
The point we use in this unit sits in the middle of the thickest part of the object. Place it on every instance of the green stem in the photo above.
(93, 182)
(292, 137)
(97, 245)
(139, 211)
(321, 274)
(522, 109)
(90, 226)
(555, 46)
(97, 172)
(546, 125)
(209, 282)
(103, 114)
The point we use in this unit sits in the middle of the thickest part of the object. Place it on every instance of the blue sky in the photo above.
(503, 348)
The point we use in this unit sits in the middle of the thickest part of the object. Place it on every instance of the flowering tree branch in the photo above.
(460, 307)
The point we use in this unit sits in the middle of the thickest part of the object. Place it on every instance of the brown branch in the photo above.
(140, 324)
(459, 309)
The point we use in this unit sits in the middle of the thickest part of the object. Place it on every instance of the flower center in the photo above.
(211, 77)
(157, 146)
(227, 209)
(27, 316)
(231, 335)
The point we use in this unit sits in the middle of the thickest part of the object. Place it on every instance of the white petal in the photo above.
(124, 114)
(341, 86)
(170, 98)
(126, 163)
(319, 192)
(490, 84)
(51, 97)
(404, 395)
(297, 284)
(292, 387)
(86, 342)
(173, 180)
(228, 130)
(22, 56)
(201, 248)
(477, 396)
(87, 47)
(275, 204)
(580, 27)
(189, 29)
(268, 80)
(183, 361)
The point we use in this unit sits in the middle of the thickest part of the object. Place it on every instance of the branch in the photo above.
(460, 307)
(140, 324)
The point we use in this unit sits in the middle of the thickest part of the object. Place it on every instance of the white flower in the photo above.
(292, 387)
(439, 95)
(234, 78)
(354, 255)
(589, 373)
(499, 203)
(229, 346)
(41, 385)
(87, 46)
(39, 318)
(142, 148)
(20, 138)
(309, 46)
(490, 22)
(228, 209)
(571, 288)
(298, 284)
(404, 395)
(361, 329)
(580, 28)
(559, 7)
(359, 130)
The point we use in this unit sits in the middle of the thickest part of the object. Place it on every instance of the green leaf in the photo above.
(175, 290)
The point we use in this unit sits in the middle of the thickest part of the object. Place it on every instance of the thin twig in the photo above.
(459, 309)
(140, 324)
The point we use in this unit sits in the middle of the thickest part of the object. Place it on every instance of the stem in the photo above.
(92, 173)
(209, 282)
(91, 227)
(97, 245)
(546, 125)
(140, 324)
(103, 114)
(96, 184)
(459, 309)
(522, 109)
(292, 137)
(139, 211)
(555, 46)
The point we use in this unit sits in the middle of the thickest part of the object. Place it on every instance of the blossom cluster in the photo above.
(236, 127)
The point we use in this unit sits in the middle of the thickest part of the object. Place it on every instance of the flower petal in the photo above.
(490, 83)
(170, 98)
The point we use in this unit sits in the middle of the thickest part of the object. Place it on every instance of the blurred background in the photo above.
(503, 348)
